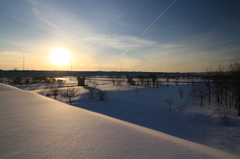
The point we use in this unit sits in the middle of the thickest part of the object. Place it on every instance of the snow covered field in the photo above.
(147, 107)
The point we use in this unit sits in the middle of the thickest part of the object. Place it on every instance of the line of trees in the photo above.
(33, 80)
(221, 85)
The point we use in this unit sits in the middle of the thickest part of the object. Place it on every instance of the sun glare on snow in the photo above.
(60, 57)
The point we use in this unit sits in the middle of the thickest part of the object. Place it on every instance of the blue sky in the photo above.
(130, 35)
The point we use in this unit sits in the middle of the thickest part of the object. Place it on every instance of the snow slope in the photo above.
(148, 109)
(34, 126)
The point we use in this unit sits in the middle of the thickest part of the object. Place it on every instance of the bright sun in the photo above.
(60, 57)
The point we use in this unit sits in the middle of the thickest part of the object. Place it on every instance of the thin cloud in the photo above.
(119, 42)
(33, 2)
(39, 14)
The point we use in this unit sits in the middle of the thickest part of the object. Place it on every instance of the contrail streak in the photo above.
(151, 25)
(158, 18)
(126, 51)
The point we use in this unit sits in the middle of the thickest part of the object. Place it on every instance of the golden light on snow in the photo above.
(60, 57)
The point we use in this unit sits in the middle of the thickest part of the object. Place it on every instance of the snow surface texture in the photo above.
(147, 108)
(34, 126)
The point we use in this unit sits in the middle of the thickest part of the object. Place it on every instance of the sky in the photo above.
(120, 35)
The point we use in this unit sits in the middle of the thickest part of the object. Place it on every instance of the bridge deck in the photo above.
(79, 73)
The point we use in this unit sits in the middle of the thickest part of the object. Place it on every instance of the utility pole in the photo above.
(71, 64)
(23, 61)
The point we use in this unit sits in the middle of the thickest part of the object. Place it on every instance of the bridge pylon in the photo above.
(81, 81)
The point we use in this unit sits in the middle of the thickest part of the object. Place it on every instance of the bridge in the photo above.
(12, 74)
(81, 75)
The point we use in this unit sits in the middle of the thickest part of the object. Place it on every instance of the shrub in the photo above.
(102, 95)
(169, 101)
(70, 93)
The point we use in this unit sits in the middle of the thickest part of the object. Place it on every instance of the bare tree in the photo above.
(136, 89)
(141, 79)
(167, 83)
(92, 88)
(119, 82)
(188, 80)
(70, 93)
(181, 92)
(176, 80)
(17, 80)
(235, 83)
(54, 91)
(154, 79)
(92, 91)
(158, 83)
(27, 80)
(199, 92)
(207, 81)
(223, 112)
(219, 82)
(147, 81)
(113, 79)
(169, 101)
